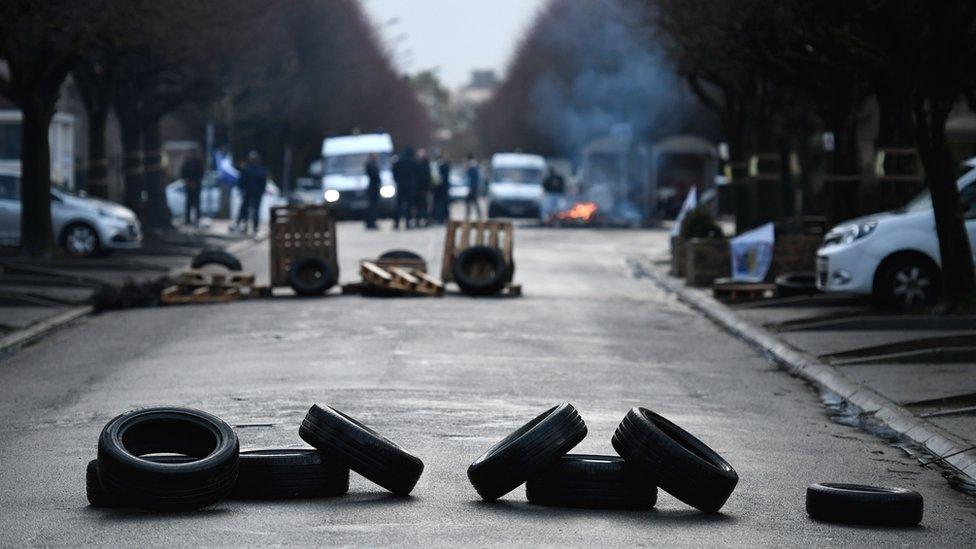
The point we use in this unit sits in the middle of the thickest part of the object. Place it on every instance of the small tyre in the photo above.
(674, 460)
(81, 240)
(311, 276)
(592, 482)
(527, 452)
(400, 254)
(481, 270)
(98, 497)
(908, 283)
(289, 474)
(216, 257)
(361, 449)
(861, 504)
(152, 485)
(796, 284)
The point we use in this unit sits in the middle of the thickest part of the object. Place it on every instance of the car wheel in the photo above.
(909, 283)
(81, 240)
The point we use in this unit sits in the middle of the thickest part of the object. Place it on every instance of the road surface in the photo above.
(445, 378)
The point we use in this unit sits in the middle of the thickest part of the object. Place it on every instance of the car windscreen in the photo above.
(517, 175)
(352, 164)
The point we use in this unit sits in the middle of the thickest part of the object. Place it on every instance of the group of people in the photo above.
(252, 179)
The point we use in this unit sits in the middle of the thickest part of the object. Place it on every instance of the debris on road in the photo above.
(592, 482)
(303, 249)
(193, 286)
(289, 474)
(395, 273)
(862, 504)
(478, 257)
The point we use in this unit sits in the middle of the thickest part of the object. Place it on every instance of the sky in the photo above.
(452, 36)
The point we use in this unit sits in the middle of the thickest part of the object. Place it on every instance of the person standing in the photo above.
(555, 188)
(192, 174)
(373, 189)
(424, 184)
(473, 175)
(442, 191)
(253, 181)
(405, 175)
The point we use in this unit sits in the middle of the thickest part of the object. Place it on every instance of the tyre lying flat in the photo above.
(289, 474)
(592, 482)
(862, 504)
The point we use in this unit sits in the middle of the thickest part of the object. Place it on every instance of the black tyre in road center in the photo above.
(289, 474)
(592, 482)
(168, 486)
(481, 270)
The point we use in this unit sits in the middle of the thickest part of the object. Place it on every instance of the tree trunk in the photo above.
(958, 272)
(157, 212)
(132, 164)
(97, 157)
(36, 233)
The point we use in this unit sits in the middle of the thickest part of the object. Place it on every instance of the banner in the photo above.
(752, 253)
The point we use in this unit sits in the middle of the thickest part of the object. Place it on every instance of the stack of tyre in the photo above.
(179, 459)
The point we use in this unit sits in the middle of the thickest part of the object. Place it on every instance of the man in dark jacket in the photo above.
(253, 181)
(405, 175)
(442, 191)
(372, 189)
(424, 183)
(192, 175)
(473, 174)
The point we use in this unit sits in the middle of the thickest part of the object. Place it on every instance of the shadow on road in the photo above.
(689, 517)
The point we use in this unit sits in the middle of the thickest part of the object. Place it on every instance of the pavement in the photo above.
(446, 378)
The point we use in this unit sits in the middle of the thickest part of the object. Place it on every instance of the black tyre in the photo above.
(908, 283)
(289, 474)
(481, 270)
(81, 240)
(400, 254)
(674, 460)
(311, 276)
(796, 284)
(527, 452)
(148, 484)
(860, 504)
(216, 257)
(361, 449)
(98, 497)
(592, 482)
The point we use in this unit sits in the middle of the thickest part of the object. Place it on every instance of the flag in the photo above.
(752, 254)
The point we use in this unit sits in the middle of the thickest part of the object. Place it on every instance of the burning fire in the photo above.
(581, 211)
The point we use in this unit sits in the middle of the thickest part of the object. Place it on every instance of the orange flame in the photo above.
(581, 211)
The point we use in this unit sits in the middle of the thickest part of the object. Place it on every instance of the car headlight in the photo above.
(331, 195)
(387, 191)
(857, 231)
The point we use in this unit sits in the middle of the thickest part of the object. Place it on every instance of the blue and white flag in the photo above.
(226, 171)
(752, 254)
(690, 203)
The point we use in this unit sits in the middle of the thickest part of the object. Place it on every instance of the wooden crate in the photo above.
(461, 235)
(301, 231)
(196, 286)
(408, 280)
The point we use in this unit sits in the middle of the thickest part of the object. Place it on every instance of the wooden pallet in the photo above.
(408, 280)
(462, 235)
(301, 231)
(196, 286)
(743, 291)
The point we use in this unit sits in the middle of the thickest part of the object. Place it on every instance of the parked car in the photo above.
(515, 185)
(210, 199)
(82, 226)
(893, 256)
(344, 181)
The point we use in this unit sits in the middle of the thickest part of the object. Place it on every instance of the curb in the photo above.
(14, 342)
(940, 443)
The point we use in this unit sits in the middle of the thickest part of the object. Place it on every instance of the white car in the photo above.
(515, 187)
(893, 255)
(210, 199)
(83, 226)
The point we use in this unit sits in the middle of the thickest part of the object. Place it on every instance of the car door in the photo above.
(9, 210)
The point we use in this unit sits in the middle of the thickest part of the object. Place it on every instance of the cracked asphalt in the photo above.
(445, 378)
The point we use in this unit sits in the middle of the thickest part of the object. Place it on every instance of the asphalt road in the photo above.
(445, 378)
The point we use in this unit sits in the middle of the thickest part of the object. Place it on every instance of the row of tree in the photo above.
(276, 76)
(775, 71)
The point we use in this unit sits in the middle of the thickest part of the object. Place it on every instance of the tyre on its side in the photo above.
(592, 482)
(311, 276)
(400, 254)
(216, 257)
(862, 504)
(481, 270)
(289, 474)
(674, 460)
(908, 283)
(527, 452)
(361, 449)
(146, 484)
(796, 284)
(98, 497)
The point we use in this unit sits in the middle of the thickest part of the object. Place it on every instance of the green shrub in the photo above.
(699, 223)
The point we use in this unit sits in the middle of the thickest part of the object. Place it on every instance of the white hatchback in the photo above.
(893, 255)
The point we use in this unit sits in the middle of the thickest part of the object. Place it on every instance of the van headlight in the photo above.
(387, 191)
(854, 232)
(331, 195)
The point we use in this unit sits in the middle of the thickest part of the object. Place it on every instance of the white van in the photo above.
(893, 255)
(344, 181)
(515, 187)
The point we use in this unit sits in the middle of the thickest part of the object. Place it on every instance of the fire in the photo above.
(581, 211)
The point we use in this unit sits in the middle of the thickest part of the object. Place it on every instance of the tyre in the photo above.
(674, 460)
(81, 240)
(289, 474)
(481, 270)
(527, 452)
(152, 485)
(592, 482)
(908, 283)
(400, 254)
(216, 257)
(860, 504)
(361, 449)
(796, 284)
(311, 276)
(98, 497)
